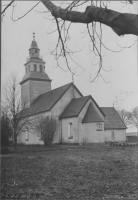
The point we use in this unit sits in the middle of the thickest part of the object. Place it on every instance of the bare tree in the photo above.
(125, 116)
(46, 128)
(95, 12)
(20, 120)
(134, 117)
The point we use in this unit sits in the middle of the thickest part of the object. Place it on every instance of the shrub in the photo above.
(6, 130)
(46, 128)
(5, 150)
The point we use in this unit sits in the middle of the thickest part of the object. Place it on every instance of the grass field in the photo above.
(70, 172)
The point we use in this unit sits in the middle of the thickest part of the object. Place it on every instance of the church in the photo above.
(79, 118)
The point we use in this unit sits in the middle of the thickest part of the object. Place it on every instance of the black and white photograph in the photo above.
(69, 100)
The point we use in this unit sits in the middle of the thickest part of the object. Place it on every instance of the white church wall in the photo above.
(59, 108)
(115, 135)
(90, 133)
(87, 131)
(70, 132)
(33, 136)
(29, 137)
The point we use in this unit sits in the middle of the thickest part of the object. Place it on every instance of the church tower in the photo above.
(35, 80)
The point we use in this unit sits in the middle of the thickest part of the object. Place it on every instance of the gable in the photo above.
(112, 119)
(92, 115)
(64, 101)
(74, 107)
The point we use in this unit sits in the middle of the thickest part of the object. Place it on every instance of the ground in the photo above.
(79, 172)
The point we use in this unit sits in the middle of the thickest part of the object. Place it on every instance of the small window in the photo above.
(70, 133)
(27, 136)
(112, 136)
(40, 68)
(35, 67)
(99, 127)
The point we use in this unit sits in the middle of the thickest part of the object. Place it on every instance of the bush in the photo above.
(46, 128)
(6, 130)
(5, 150)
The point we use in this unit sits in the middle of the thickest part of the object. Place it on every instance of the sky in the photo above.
(120, 85)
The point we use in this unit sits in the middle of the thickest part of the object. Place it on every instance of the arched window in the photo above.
(70, 133)
(40, 68)
(35, 68)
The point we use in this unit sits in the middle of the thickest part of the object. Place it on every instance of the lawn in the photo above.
(70, 172)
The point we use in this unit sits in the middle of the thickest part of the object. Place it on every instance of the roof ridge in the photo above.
(81, 97)
(61, 86)
(107, 107)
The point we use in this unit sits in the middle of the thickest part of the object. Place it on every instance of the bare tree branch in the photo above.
(121, 23)
(7, 7)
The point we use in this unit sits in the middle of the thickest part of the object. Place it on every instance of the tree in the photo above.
(6, 130)
(95, 12)
(19, 119)
(121, 23)
(134, 117)
(125, 116)
(46, 128)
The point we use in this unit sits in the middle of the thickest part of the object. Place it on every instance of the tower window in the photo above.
(40, 68)
(35, 67)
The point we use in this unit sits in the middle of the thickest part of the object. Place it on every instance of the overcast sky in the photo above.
(122, 77)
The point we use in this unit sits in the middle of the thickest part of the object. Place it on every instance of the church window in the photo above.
(40, 68)
(70, 133)
(99, 127)
(35, 67)
(112, 136)
(27, 136)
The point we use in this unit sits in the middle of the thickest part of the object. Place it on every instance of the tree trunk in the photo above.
(15, 140)
(121, 23)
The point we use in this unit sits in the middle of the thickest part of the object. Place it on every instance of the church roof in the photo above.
(35, 76)
(112, 119)
(45, 102)
(75, 107)
(92, 115)
(34, 45)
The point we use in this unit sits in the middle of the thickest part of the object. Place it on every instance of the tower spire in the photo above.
(33, 35)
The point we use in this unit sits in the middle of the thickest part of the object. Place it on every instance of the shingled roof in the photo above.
(112, 119)
(35, 76)
(74, 107)
(92, 115)
(45, 102)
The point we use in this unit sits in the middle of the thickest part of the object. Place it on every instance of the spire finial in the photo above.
(33, 36)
